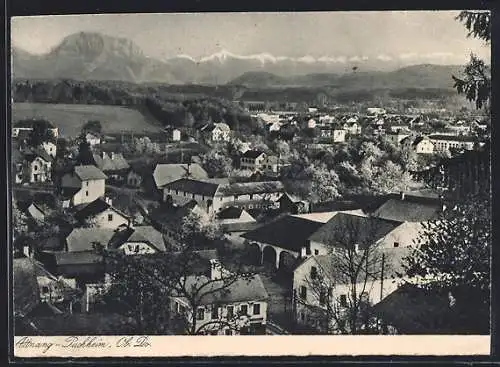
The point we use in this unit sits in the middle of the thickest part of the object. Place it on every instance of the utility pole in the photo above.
(382, 277)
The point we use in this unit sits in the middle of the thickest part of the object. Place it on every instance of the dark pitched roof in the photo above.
(252, 154)
(252, 188)
(231, 212)
(25, 286)
(242, 290)
(353, 229)
(139, 234)
(287, 232)
(194, 186)
(239, 226)
(91, 209)
(109, 163)
(453, 137)
(89, 172)
(412, 310)
(81, 239)
(77, 258)
(409, 209)
(166, 173)
(69, 192)
(39, 152)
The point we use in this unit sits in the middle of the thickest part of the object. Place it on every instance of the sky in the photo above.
(418, 35)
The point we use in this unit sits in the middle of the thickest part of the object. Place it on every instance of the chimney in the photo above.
(108, 201)
(215, 269)
(402, 194)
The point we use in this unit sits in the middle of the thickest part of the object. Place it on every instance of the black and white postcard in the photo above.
(319, 181)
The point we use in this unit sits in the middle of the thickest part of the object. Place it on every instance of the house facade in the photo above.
(213, 196)
(102, 214)
(443, 143)
(27, 126)
(252, 160)
(37, 168)
(50, 148)
(242, 310)
(92, 139)
(217, 132)
(84, 185)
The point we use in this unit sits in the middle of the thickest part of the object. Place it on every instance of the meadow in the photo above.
(70, 118)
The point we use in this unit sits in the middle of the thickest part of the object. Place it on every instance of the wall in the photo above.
(95, 189)
(222, 312)
(101, 220)
(137, 248)
(39, 170)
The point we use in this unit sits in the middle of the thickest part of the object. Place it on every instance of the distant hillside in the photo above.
(416, 76)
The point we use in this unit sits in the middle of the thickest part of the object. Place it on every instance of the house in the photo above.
(240, 308)
(352, 127)
(375, 111)
(410, 208)
(138, 240)
(235, 220)
(50, 148)
(77, 267)
(83, 184)
(443, 143)
(420, 144)
(271, 164)
(39, 206)
(322, 287)
(360, 230)
(311, 124)
(84, 239)
(213, 196)
(176, 135)
(292, 204)
(281, 242)
(411, 310)
(114, 165)
(312, 109)
(166, 173)
(92, 139)
(252, 160)
(25, 126)
(134, 178)
(216, 132)
(37, 166)
(396, 137)
(53, 290)
(101, 214)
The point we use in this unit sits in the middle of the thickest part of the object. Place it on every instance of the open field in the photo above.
(70, 118)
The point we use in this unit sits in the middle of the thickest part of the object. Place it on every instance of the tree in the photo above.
(341, 281)
(92, 126)
(197, 232)
(85, 155)
(143, 286)
(324, 184)
(476, 82)
(452, 253)
(217, 164)
(41, 133)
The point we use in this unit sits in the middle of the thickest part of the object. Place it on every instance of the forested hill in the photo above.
(416, 76)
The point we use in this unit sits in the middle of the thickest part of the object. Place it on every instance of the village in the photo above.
(207, 231)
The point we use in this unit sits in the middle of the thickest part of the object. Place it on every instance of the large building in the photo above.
(83, 184)
(443, 143)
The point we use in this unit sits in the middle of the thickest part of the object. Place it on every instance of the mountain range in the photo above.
(94, 56)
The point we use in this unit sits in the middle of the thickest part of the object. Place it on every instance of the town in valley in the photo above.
(249, 195)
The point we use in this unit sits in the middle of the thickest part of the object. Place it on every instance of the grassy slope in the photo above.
(70, 118)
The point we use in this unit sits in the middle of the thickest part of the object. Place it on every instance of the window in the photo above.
(45, 289)
(193, 196)
(235, 197)
(35, 167)
(215, 312)
(343, 300)
(86, 183)
(251, 196)
(86, 193)
(182, 309)
(302, 316)
(230, 311)
(316, 252)
(228, 332)
(244, 309)
(200, 313)
(396, 244)
(256, 309)
(303, 292)
(176, 192)
(308, 250)
(110, 217)
(185, 193)
(314, 272)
